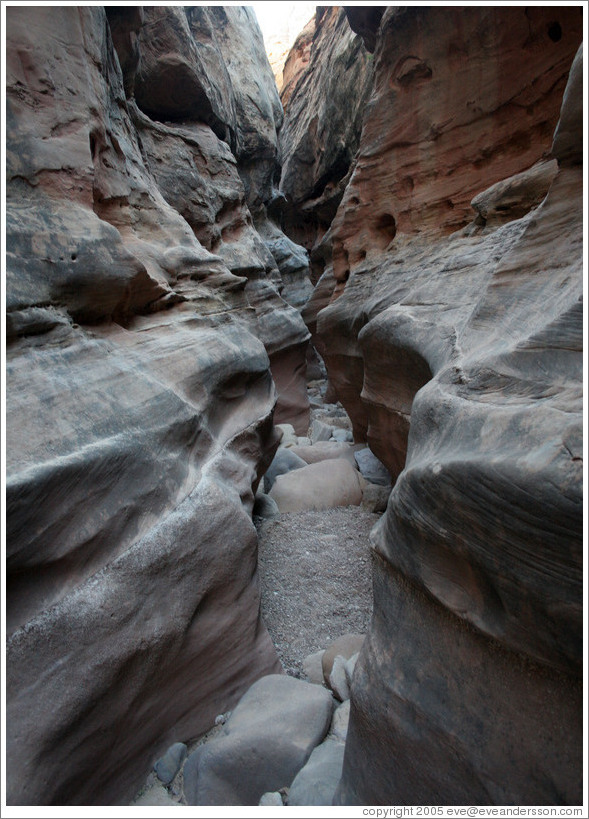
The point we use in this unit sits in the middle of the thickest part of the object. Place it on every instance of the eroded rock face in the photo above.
(365, 20)
(324, 103)
(453, 339)
(208, 62)
(462, 99)
(266, 741)
(296, 60)
(140, 400)
(219, 125)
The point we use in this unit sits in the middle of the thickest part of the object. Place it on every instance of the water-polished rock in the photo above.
(456, 346)
(322, 485)
(284, 461)
(264, 744)
(316, 783)
(139, 407)
(326, 89)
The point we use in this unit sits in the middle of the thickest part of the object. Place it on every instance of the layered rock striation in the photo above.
(144, 329)
(453, 335)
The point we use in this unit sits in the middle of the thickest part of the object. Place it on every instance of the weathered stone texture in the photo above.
(461, 100)
(140, 400)
(322, 123)
(454, 339)
(266, 741)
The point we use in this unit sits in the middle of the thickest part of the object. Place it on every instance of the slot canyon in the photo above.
(331, 334)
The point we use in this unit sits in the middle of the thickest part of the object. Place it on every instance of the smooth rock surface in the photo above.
(454, 341)
(272, 798)
(316, 783)
(473, 735)
(322, 485)
(170, 763)
(371, 468)
(284, 462)
(156, 796)
(339, 723)
(139, 396)
(267, 740)
(289, 436)
(312, 667)
(266, 507)
(325, 451)
(338, 679)
(345, 646)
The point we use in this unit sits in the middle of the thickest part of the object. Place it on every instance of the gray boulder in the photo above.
(324, 451)
(318, 486)
(338, 679)
(340, 721)
(345, 646)
(371, 468)
(312, 667)
(155, 796)
(264, 744)
(375, 498)
(342, 435)
(315, 784)
(284, 461)
(169, 764)
(265, 507)
(271, 798)
(320, 431)
(289, 436)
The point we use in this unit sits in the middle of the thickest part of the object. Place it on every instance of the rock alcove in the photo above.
(175, 240)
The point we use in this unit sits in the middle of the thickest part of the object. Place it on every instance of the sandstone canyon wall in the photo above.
(144, 325)
(328, 77)
(452, 335)
(154, 337)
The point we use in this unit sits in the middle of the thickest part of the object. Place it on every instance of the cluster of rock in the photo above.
(147, 345)
(452, 335)
(324, 469)
(283, 744)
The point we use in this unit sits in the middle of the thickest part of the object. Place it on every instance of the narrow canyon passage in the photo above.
(315, 578)
(239, 573)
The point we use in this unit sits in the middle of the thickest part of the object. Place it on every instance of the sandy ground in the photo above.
(315, 574)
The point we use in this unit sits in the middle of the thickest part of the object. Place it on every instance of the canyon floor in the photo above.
(315, 579)
(316, 586)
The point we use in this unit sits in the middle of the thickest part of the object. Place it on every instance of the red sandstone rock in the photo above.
(281, 30)
(462, 99)
(297, 60)
(455, 344)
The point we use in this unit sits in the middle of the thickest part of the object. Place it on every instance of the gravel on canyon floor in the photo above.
(315, 574)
